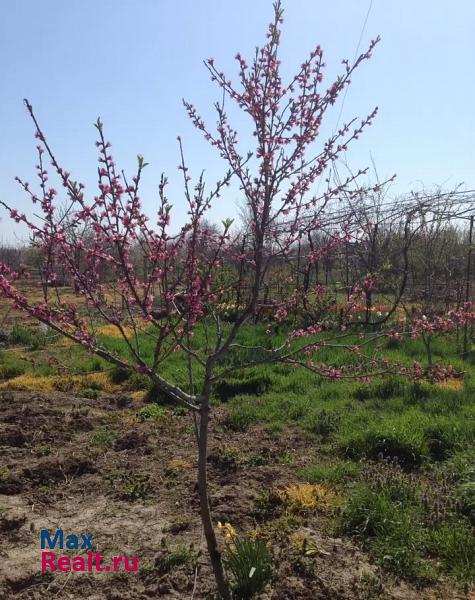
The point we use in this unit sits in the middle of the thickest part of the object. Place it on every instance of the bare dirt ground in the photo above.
(96, 466)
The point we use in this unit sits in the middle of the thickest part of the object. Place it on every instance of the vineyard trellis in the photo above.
(387, 218)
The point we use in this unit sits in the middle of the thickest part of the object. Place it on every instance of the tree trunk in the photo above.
(211, 542)
(428, 345)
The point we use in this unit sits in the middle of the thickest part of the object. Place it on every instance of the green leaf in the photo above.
(141, 161)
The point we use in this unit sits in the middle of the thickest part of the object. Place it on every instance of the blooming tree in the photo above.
(174, 291)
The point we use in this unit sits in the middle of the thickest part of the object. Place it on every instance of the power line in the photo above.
(356, 55)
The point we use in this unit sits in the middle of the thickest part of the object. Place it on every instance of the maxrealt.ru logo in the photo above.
(87, 560)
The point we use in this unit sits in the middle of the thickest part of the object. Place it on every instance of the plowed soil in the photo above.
(97, 466)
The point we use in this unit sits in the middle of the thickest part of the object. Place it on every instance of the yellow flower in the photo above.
(227, 531)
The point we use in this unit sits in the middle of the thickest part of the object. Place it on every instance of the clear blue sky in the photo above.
(131, 62)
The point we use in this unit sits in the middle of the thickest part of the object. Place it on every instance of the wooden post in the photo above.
(466, 352)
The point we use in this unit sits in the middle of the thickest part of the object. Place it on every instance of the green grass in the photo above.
(429, 430)
(453, 543)
(330, 474)
(152, 412)
(11, 365)
(179, 556)
(405, 537)
(103, 438)
(28, 336)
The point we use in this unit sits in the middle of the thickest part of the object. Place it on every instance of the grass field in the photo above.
(396, 457)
